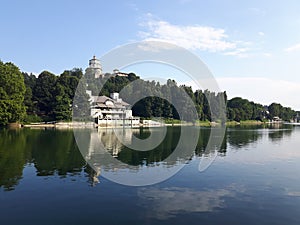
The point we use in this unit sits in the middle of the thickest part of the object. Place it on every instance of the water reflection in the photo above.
(278, 134)
(169, 202)
(243, 138)
(51, 152)
(109, 153)
(55, 152)
(119, 148)
(14, 154)
(201, 149)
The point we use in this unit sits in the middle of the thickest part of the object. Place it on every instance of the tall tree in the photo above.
(62, 106)
(275, 109)
(44, 93)
(12, 90)
(30, 82)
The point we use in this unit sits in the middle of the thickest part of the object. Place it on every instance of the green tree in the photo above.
(241, 108)
(44, 94)
(275, 110)
(81, 102)
(64, 93)
(30, 82)
(285, 113)
(12, 90)
(62, 107)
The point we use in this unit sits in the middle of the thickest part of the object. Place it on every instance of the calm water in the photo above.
(254, 179)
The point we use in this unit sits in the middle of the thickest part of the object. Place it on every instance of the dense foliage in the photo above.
(48, 97)
(241, 109)
(12, 90)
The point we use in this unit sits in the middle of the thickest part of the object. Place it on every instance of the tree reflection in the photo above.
(55, 152)
(14, 154)
(160, 153)
(203, 141)
(240, 138)
(277, 135)
(51, 152)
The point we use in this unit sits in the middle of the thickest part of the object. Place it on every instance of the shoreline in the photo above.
(70, 125)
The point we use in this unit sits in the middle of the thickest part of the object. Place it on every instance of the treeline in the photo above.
(241, 109)
(152, 99)
(48, 97)
(27, 98)
(210, 106)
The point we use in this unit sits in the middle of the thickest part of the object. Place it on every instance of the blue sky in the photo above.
(251, 47)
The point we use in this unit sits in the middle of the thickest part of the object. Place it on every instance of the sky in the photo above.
(252, 47)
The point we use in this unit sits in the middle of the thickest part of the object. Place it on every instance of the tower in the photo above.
(95, 69)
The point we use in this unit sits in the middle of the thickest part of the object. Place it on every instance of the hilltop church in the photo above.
(95, 70)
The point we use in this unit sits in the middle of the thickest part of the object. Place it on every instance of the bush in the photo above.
(32, 119)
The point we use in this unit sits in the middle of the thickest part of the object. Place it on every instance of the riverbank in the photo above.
(62, 125)
(245, 122)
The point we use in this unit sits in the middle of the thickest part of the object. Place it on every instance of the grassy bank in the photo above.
(213, 124)
(204, 123)
(244, 122)
(229, 123)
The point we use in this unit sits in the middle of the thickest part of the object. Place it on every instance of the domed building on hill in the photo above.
(95, 69)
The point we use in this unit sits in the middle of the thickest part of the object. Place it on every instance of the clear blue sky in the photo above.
(252, 47)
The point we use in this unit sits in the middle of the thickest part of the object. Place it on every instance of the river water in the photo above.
(253, 177)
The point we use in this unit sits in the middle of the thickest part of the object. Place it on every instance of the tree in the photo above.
(30, 82)
(285, 113)
(62, 106)
(12, 90)
(75, 72)
(44, 94)
(240, 108)
(81, 102)
(64, 93)
(275, 110)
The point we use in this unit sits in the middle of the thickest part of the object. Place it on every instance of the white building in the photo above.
(112, 112)
(116, 72)
(95, 69)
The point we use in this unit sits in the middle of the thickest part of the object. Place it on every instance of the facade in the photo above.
(112, 112)
(95, 69)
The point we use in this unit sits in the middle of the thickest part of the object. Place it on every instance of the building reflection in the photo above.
(111, 154)
(109, 137)
(109, 150)
(102, 140)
